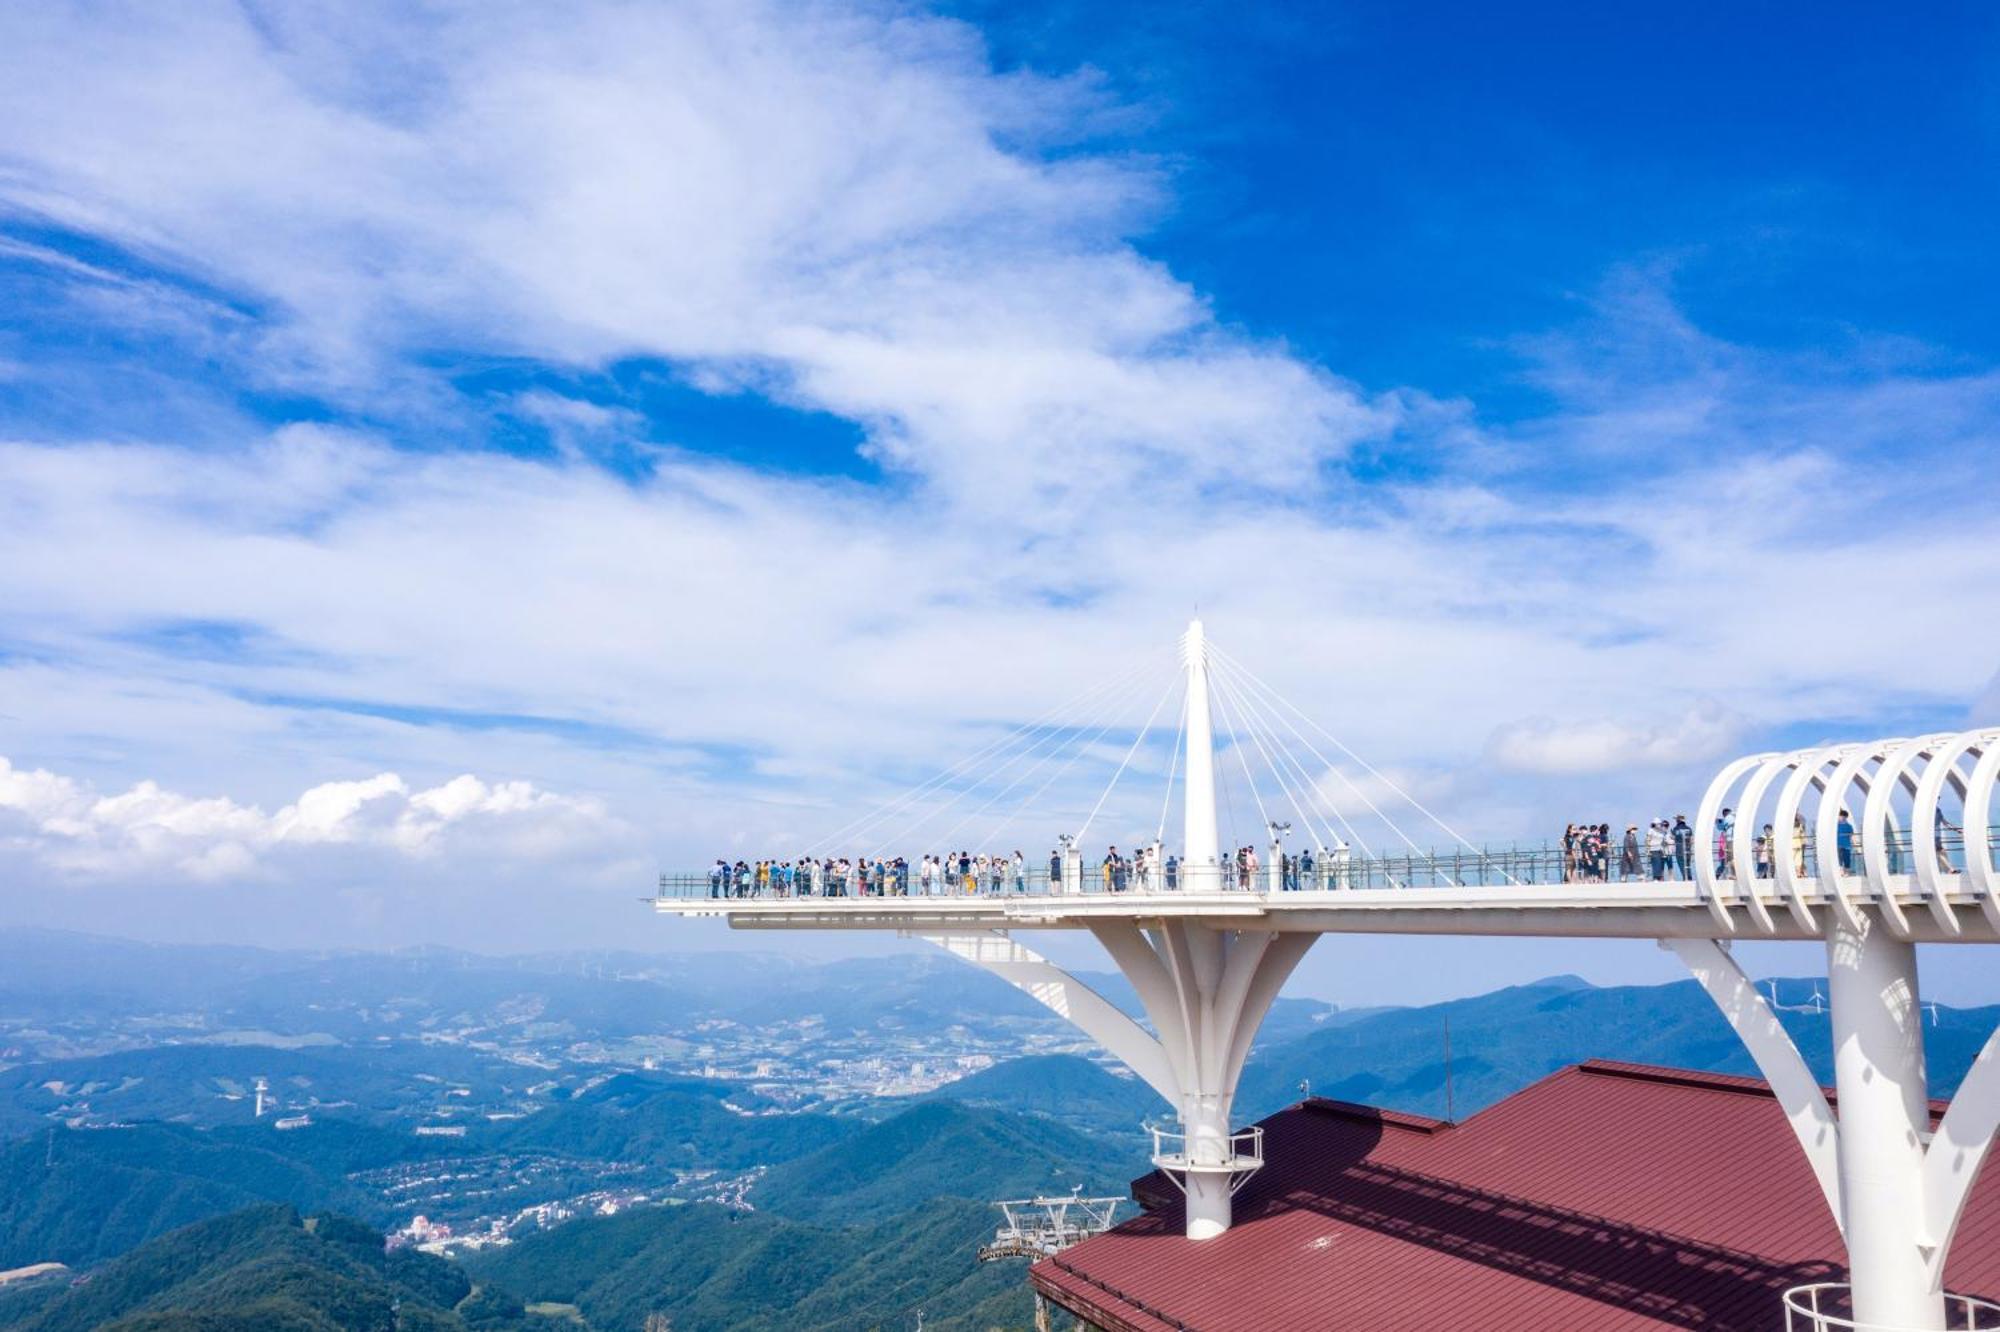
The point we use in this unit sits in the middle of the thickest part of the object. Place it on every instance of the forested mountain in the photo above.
(263, 1269)
(856, 1235)
(1067, 1088)
(712, 1270)
(78, 1197)
(943, 1149)
(671, 1122)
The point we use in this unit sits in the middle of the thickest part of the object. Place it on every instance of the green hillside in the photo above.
(713, 1270)
(263, 1269)
(1067, 1088)
(78, 1197)
(667, 1122)
(943, 1149)
(857, 1235)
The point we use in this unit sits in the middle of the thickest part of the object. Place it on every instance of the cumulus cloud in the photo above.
(1569, 746)
(68, 825)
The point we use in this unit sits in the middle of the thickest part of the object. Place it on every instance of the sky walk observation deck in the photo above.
(1874, 847)
(1498, 891)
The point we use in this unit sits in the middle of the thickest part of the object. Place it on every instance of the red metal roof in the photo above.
(1606, 1196)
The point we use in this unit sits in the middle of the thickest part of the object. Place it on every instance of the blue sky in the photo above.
(1404, 190)
(448, 452)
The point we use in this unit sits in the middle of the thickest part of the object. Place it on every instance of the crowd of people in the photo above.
(872, 876)
(1590, 853)
(1666, 850)
(1148, 869)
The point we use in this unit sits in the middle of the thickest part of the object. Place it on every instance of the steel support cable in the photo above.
(994, 799)
(1366, 851)
(1223, 784)
(1059, 734)
(1076, 753)
(1361, 795)
(1306, 779)
(1236, 745)
(1314, 797)
(1173, 769)
(885, 811)
(1137, 740)
(1131, 686)
(997, 797)
(1252, 678)
(1118, 688)
(1008, 822)
(1256, 728)
(858, 825)
(1256, 738)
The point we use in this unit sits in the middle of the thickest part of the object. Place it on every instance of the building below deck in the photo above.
(1610, 1197)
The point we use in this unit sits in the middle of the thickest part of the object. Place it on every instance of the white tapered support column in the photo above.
(1884, 1108)
(1209, 1182)
(1201, 864)
(1207, 991)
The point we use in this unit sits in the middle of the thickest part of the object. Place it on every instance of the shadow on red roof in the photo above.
(1606, 1196)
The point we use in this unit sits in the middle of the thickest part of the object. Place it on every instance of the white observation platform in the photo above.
(1207, 945)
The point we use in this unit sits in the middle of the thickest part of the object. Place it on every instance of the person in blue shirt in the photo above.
(1843, 840)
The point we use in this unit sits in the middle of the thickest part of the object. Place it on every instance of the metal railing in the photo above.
(1827, 1306)
(1333, 871)
(1245, 1152)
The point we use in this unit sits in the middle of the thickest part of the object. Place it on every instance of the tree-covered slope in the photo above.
(943, 1149)
(1066, 1088)
(263, 1269)
(667, 1122)
(78, 1197)
(709, 1269)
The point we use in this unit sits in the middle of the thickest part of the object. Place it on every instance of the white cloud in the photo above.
(66, 825)
(1571, 746)
(847, 206)
(849, 210)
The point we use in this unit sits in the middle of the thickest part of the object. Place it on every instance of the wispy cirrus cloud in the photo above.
(847, 209)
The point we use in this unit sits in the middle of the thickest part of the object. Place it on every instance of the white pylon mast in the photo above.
(1200, 852)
